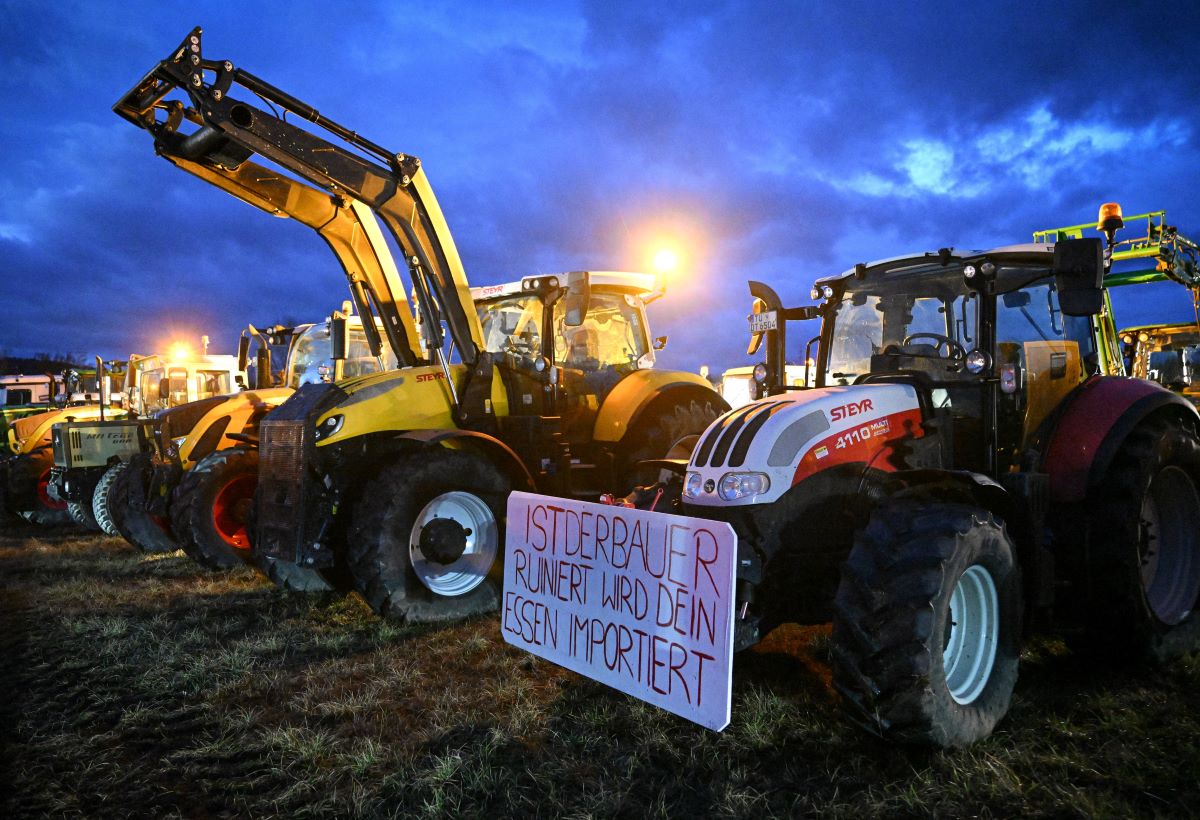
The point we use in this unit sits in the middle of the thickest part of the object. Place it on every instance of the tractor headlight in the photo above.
(742, 485)
(760, 372)
(693, 485)
(978, 361)
(330, 426)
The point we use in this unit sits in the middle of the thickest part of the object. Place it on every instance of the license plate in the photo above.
(760, 322)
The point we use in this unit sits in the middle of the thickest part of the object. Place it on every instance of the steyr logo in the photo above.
(428, 377)
(851, 409)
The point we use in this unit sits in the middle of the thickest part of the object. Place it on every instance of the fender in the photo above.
(508, 461)
(1098, 417)
(637, 391)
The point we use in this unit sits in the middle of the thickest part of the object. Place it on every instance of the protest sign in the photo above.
(639, 600)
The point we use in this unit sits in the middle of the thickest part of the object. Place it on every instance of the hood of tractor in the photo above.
(32, 430)
(756, 453)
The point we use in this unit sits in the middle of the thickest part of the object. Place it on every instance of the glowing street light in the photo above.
(665, 260)
(180, 351)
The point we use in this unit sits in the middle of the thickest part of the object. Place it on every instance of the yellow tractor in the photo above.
(210, 491)
(150, 382)
(400, 477)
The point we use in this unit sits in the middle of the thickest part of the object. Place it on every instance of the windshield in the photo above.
(512, 325)
(310, 362)
(612, 337)
(894, 309)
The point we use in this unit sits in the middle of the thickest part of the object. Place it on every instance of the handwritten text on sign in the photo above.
(641, 601)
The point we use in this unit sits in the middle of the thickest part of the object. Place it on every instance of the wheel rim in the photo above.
(230, 508)
(480, 547)
(43, 493)
(1169, 545)
(974, 629)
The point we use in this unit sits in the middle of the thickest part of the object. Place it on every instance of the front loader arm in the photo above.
(231, 131)
(349, 229)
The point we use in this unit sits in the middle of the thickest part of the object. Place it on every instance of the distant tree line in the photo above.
(38, 363)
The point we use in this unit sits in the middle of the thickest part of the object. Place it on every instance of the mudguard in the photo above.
(634, 394)
(502, 454)
(1096, 419)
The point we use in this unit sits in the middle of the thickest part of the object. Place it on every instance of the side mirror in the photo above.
(575, 304)
(339, 338)
(243, 353)
(1079, 275)
(660, 342)
(164, 388)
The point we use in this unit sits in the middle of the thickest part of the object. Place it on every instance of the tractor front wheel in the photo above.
(147, 532)
(210, 505)
(1144, 546)
(926, 631)
(102, 499)
(32, 490)
(426, 540)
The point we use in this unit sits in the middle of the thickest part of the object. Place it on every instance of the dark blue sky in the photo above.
(778, 141)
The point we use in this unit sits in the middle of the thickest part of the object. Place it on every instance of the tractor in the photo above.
(965, 471)
(399, 478)
(1168, 354)
(202, 468)
(86, 451)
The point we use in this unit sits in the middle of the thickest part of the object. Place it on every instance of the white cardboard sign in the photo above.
(641, 601)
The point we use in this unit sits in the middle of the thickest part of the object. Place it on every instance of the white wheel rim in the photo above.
(482, 544)
(1169, 548)
(970, 651)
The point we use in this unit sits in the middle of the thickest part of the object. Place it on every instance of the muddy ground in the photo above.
(135, 685)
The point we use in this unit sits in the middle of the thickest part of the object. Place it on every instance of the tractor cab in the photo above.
(1167, 354)
(577, 333)
(985, 338)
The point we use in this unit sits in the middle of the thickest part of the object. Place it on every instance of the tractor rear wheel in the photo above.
(1144, 546)
(81, 514)
(426, 540)
(669, 433)
(209, 508)
(102, 499)
(926, 630)
(147, 532)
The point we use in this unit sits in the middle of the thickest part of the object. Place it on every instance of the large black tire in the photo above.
(669, 432)
(209, 508)
(909, 667)
(30, 497)
(102, 499)
(1143, 573)
(81, 514)
(392, 510)
(137, 526)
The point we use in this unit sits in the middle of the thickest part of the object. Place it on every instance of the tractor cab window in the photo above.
(211, 383)
(15, 396)
(922, 318)
(310, 362)
(513, 326)
(1045, 353)
(611, 339)
(1029, 319)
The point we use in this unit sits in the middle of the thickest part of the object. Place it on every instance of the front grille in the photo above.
(722, 437)
(279, 500)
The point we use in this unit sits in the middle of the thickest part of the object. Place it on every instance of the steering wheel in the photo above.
(954, 351)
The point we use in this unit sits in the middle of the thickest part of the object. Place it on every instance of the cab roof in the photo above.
(631, 281)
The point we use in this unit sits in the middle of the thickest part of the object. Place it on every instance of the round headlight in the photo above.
(694, 485)
(969, 271)
(815, 293)
(1143, 337)
(760, 372)
(987, 268)
(978, 361)
(827, 291)
(330, 426)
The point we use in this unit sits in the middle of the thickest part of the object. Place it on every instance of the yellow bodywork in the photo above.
(240, 407)
(413, 399)
(1048, 385)
(25, 435)
(632, 393)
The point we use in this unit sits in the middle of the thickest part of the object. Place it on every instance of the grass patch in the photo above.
(143, 684)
